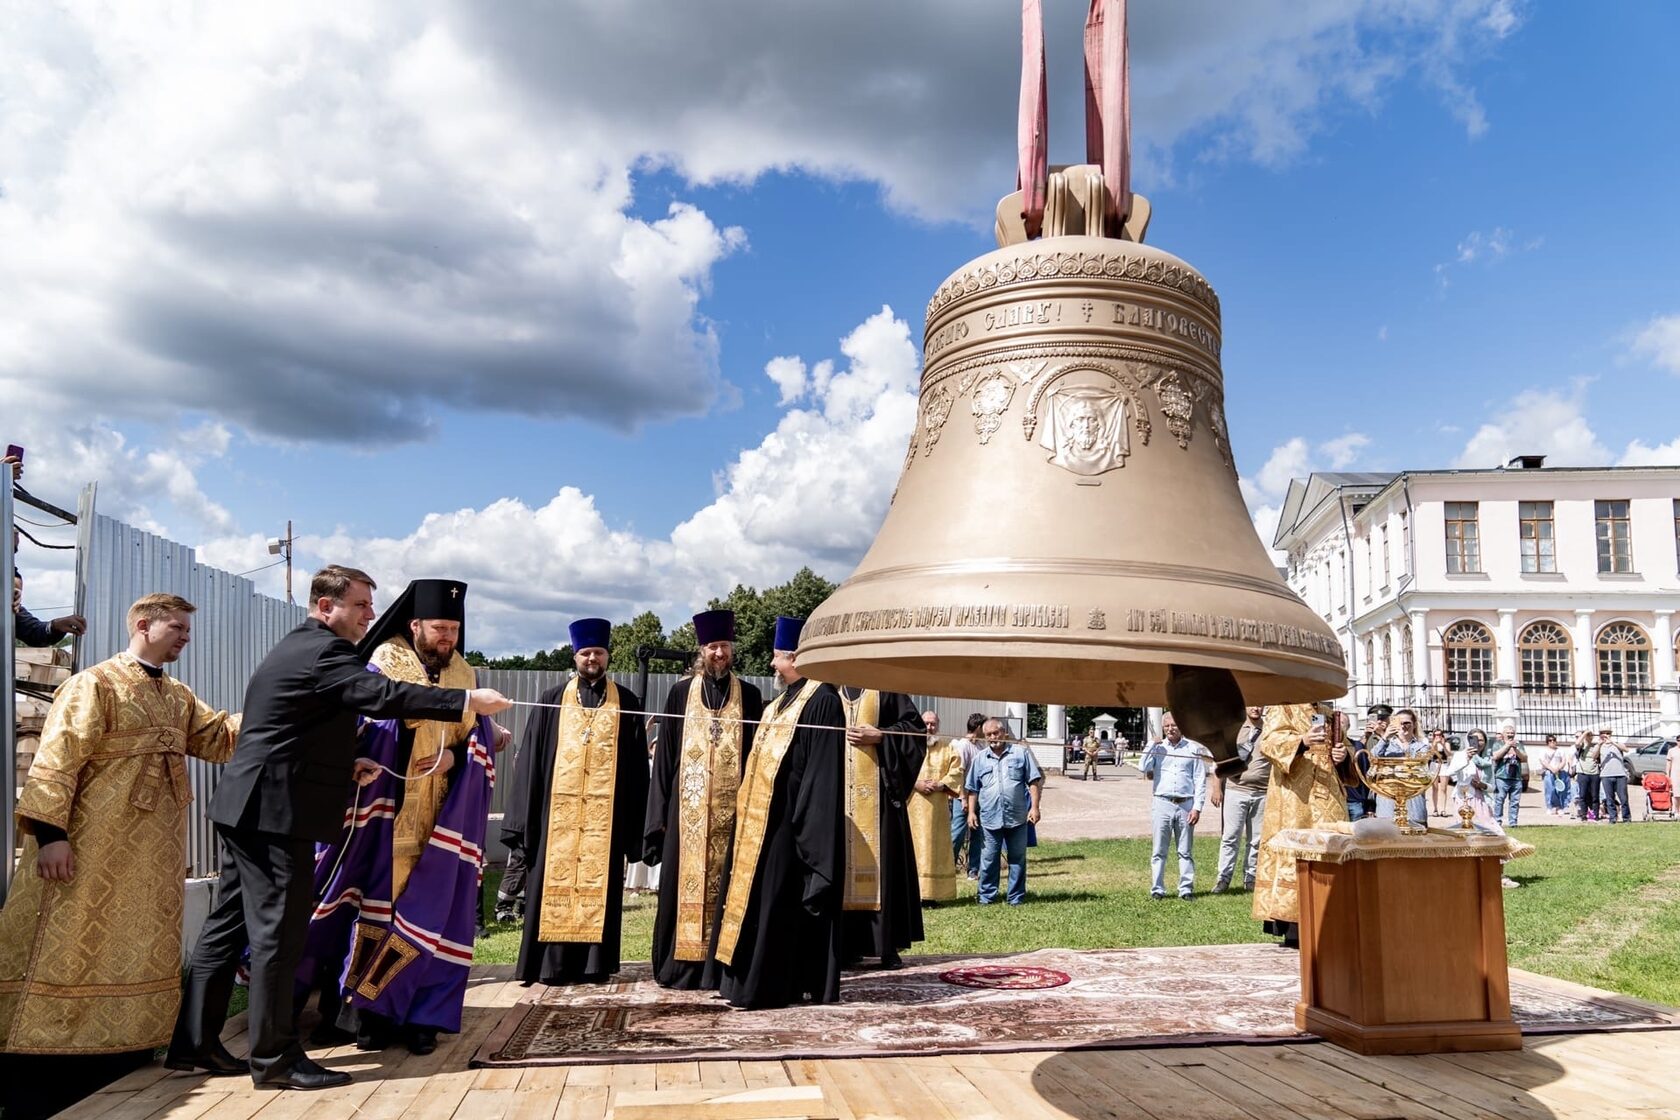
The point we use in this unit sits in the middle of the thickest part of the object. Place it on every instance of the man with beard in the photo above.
(391, 940)
(90, 938)
(886, 741)
(576, 810)
(779, 939)
(704, 737)
(286, 788)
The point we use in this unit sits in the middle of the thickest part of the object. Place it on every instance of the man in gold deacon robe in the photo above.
(779, 938)
(885, 744)
(704, 737)
(576, 810)
(90, 938)
(940, 780)
(1306, 791)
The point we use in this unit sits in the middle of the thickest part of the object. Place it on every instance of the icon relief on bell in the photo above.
(1087, 429)
(992, 395)
(1177, 406)
(1096, 620)
(935, 411)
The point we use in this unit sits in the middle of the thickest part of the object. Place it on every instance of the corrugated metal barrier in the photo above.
(236, 626)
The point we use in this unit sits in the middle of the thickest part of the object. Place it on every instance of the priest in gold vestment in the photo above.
(90, 937)
(779, 936)
(1305, 792)
(577, 808)
(885, 745)
(940, 779)
(705, 736)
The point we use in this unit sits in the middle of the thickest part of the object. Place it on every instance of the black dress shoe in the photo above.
(422, 1040)
(891, 960)
(303, 1074)
(217, 1063)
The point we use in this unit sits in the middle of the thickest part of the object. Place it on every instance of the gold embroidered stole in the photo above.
(423, 796)
(770, 746)
(863, 806)
(708, 779)
(578, 865)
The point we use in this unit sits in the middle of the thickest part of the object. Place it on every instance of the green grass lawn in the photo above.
(1592, 908)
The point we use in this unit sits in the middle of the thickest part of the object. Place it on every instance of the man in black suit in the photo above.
(285, 789)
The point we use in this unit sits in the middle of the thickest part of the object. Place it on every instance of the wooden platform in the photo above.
(1590, 1076)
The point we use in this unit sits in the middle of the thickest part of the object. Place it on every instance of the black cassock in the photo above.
(661, 839)
(891, 929)
(789, 950)
(526, 824)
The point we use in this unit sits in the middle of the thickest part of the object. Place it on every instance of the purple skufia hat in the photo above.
(787, 633)
(591, 633)
(714, 626)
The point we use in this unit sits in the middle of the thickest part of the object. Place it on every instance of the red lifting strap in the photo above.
(1032, 175)
(1108, 110)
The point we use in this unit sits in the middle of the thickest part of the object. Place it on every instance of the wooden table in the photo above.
(1403, 941)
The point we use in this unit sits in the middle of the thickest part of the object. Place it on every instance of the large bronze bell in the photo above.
(1068, 527)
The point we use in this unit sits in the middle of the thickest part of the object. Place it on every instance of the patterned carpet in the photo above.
(1113, 998)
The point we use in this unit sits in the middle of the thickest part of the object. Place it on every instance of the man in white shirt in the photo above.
(1179, 768)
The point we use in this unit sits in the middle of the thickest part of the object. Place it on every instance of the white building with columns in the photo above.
(1527, 588)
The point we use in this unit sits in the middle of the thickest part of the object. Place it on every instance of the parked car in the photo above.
(1107, 753)
(1652, 758)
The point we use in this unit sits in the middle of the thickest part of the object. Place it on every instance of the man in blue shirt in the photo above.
(1179, 768)
(1001, 792)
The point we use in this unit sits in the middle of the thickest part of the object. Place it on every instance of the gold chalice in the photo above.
(1399, 779)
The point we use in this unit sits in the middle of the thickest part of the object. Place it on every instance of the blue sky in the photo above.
(492, 292)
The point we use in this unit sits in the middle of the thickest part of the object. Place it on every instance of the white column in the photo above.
(1018, 718)
(1419, 667)
(1055, 723)
(1662, 641)
(1663, 674)
(1584, 656)
(1505, 671)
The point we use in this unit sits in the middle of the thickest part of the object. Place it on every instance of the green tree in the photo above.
(644, 629)
(799, 597)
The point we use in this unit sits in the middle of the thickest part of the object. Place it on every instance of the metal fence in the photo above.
(234, 629)
(236, 626)
(1632, 714)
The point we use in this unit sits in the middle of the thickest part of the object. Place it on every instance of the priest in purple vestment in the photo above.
(391, 940)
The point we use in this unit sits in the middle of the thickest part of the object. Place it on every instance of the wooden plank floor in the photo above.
(1562, 1077)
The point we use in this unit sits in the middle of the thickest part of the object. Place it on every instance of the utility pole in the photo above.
(283, 547)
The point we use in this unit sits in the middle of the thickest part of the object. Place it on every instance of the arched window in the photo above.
(1370, 660)
(1406, 652)
(1624, 658)
(1388, 658)
(1469, 650)
(1547, 658)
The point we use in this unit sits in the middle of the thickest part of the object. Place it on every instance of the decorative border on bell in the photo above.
(992, 380)
(1045, 266)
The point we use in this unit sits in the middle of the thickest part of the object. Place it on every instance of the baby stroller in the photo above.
(1659, 797)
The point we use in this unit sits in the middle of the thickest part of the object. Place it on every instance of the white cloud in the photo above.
(244, 210)
(1659, 342)
(1479, 248)
(1537, 422)
(1292, 459)
(813, 491)
(1343, 450)
(1640, 454)
(1554, 424)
